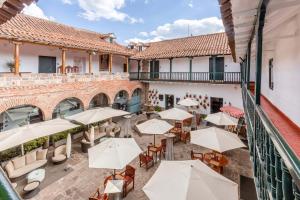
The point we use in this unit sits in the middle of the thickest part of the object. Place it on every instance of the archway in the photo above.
(134, 105)
(121, 100)
(100, 100)
(19, 116)
(67, 107)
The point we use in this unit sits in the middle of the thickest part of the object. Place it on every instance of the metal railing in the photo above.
(205, 77)
(276, 167)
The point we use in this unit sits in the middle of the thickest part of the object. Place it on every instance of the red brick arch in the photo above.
(11, 103)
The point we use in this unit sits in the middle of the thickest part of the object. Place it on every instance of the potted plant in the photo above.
(59, 138)
(11, 65)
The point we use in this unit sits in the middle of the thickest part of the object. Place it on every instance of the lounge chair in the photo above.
(60, 154)
(146, 160)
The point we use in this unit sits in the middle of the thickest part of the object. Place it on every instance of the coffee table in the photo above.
(36, 175)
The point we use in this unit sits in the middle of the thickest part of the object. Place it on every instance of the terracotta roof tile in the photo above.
(202, 45)
(34, 30)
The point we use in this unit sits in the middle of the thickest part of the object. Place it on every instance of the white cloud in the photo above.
(191, 5)
(182, 28)
(69, 2)
(143, 34)
(36, 11)
(138, 40)
(94, 10)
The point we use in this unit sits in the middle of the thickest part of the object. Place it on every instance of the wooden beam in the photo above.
(63, 61)
(90, 62)
(17, 56)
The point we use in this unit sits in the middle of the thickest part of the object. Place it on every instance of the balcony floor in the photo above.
(289, 130)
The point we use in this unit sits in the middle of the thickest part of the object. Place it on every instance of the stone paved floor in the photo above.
(80, 182)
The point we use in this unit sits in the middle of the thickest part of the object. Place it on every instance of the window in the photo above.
(124, 67)
(271, 74)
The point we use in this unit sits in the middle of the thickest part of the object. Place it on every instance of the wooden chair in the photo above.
(196, 156)
(98, 196)
(146, 160)
(185, 136)
(187, 122)
(128, 177)
(216, 161)
(157, 151)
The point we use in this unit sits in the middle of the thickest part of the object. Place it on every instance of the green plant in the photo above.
(34, 144)
(59, 136)
(10, 153)
(11, 65)
(157, 108)
(203, 116)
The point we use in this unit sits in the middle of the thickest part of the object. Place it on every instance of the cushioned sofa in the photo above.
(24, 164)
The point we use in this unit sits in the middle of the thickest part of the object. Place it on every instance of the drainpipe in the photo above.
(259, 43)
(171, 63)
(191, 67)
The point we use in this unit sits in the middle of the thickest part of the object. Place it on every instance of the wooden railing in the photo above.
(205, 77)
(276, 167)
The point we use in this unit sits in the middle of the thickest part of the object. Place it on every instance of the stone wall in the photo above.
(49, 94)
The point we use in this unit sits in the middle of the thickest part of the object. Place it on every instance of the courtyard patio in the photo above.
(75, 180)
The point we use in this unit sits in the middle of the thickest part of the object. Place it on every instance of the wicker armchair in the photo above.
(98, 196)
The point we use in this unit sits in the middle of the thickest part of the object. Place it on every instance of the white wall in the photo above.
(229, 93)
(282, 44)
(200, 64)
(29, 57)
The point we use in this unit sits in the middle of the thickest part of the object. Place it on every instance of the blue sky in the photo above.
(134, 20)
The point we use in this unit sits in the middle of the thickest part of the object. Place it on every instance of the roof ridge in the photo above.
(187, 37)
(65, 25)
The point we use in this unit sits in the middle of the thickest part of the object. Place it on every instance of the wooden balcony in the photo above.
(197, 77)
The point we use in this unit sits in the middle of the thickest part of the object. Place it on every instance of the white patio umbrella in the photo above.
(188, 102)
(154, 127)
(113, 153)
(175, 114)
(216, 139)
(221, 119)
(21, 135)
(92, 136)
(96, 115)
(189, 180)
(69, 145)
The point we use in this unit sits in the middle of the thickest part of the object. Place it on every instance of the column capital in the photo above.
(16, 42)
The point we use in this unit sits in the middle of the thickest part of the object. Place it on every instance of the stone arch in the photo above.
(81, 104)
(59, 98)
(15, 102)
(136, 88)
(106, 99)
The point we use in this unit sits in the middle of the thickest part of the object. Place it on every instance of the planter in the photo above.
(77, 135)
(60, 142)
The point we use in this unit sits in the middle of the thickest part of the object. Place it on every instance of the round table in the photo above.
(36, 175)
(170, 146)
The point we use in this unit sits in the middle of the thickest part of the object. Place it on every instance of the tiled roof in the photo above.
(10, 8)
(34, 30)
(194, 46)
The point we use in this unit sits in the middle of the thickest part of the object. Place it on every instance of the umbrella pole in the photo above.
(114, 174)
(154, 140)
